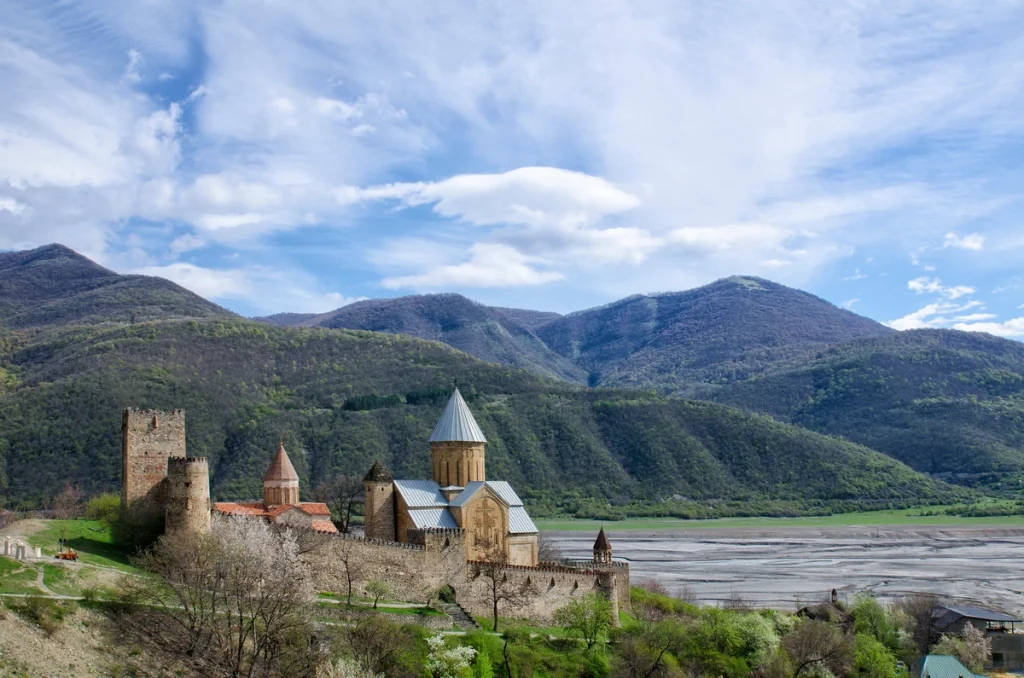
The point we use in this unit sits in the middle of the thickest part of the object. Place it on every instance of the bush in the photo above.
(105, 507)
(47, 613)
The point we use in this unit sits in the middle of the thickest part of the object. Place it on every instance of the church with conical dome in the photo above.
(458, 496)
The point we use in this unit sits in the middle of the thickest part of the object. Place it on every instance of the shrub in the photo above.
(105, 507)
(47, 613)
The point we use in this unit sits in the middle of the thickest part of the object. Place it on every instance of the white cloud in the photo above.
(11, 206)
(848, 304)
(932, 315)
(132, 76)
(489, 265)
(1013, 328)
(925, 285)
(971, 241)
(270, 290)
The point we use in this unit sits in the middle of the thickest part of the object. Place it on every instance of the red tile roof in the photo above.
(261, 510)
(324, 526)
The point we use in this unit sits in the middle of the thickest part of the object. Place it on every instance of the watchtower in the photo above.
(602, 548)
(379, 488)
(457, 446)
(149, 438)
(187, 500)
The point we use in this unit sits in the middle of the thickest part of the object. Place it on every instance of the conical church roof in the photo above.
(457, 423)
(281, 467)
(602, 543)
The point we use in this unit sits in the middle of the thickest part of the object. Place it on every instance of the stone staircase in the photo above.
(460, 617)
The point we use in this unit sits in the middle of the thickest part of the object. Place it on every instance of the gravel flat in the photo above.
(787, 568)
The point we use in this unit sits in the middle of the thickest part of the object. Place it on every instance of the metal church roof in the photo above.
(420, 493)
(944, 666)
(519, 521)
(466, 494)
(505, 491)
(457, 423)
(433, 518)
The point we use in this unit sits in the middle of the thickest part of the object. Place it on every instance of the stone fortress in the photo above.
(458, 532)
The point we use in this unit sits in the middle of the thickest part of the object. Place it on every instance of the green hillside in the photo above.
(945, 402)
(341, 399)
(493, 334)
(727, 331)
(54, 285)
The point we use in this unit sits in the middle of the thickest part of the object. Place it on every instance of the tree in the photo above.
(235, 601)
(547, 550)
(971, 647)
(68, 502)
(351, 564)
(870, 617)
(872, 659)
(105, 507)
(817, 643)
(445, 661)
(501, 589)
(375, 643)
(643, 650)
(340, 495)
(377, 589)
(918, 610)
(587, 618)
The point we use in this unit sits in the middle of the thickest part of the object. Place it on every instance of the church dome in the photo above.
(281, 468)
(457, 423)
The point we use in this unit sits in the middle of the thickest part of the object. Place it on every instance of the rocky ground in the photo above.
(786, 568)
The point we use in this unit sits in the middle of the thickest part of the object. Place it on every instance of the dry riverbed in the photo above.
(788, 567)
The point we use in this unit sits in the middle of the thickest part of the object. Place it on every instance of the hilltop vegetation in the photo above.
(944, 402)
(53, 285)
(243, 384)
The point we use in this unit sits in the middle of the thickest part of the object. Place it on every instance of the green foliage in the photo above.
(899, 393)
(105, 507)
(587, 618)
(872, 659)
(874, 620)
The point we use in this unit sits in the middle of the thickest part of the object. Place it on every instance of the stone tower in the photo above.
(187, 500)
(457, 446)
(379, 488)
(602, 548)
(149, 438)
(281, 483)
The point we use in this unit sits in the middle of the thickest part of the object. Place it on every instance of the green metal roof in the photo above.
(945, 666)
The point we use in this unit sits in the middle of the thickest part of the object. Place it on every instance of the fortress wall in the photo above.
(148, 439)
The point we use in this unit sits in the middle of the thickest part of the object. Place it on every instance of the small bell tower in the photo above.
(602, 549)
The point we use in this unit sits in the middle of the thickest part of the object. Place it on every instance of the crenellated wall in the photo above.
(416, 570)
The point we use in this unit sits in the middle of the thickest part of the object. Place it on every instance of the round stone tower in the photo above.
(457, 446)
(187, 499)
(281, 483)
(379, 513)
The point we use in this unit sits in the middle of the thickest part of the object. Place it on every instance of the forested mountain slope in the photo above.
(945, 402)
(722, 332)
(54, 285)
(341, 399)
(492, 334)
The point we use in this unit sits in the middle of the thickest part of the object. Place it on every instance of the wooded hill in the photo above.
(341, 399)
(75, 348)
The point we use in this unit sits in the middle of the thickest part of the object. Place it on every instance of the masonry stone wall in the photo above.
(415, 571)
(379, 510)
(457, 462)
(148, 439)
(187, 500)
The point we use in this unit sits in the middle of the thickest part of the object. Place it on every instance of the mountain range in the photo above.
(802, 407)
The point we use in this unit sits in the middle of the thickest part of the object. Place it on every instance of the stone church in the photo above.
(496, 524)
(457, 532)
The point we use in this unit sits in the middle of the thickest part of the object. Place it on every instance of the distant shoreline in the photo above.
(858, 522)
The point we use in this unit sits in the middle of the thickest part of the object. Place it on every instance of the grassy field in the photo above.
(870, 518)
(92, 540)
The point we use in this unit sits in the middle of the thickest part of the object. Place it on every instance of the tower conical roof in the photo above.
(281, 467)
(457, 423)
(602, 543)
(378, 473)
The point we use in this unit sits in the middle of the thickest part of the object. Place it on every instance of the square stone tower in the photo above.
(149, 438)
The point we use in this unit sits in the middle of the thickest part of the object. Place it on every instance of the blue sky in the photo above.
(295, 156)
